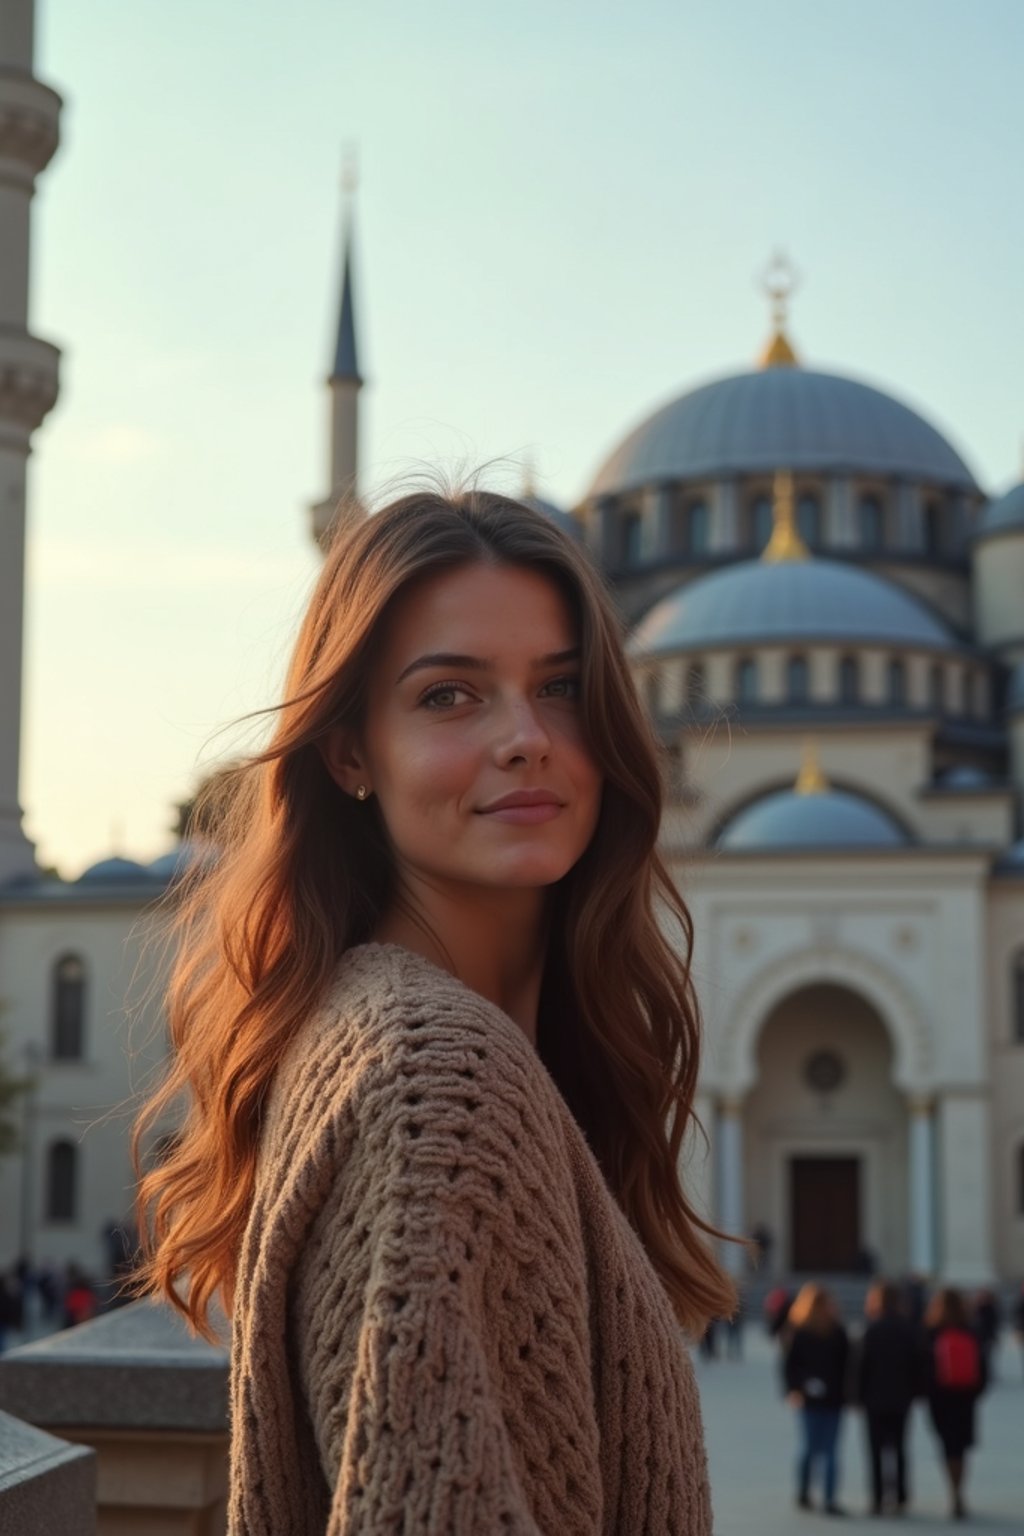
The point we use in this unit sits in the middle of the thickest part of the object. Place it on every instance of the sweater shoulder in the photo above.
(397, 1043)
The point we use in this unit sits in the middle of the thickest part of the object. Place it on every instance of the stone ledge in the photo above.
(46, 1485)
(134, 1368)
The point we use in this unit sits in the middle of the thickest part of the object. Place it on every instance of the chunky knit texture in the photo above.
(444, 1325)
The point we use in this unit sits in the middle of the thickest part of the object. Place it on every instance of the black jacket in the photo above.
(890, 1371)
(815, 1366)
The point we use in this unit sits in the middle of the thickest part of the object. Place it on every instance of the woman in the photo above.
(433, 1010)
(888, 1379)
(955, 1365)
(814, 1368)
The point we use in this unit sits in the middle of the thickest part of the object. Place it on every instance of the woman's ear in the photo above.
(345, 762)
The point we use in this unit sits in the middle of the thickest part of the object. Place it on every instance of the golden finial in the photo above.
(529, 478)
(810, 780)
(779, 282)
(785, 542)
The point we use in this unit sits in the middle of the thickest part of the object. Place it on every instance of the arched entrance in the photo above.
(825, 1137)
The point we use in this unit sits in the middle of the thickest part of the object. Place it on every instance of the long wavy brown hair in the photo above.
(302, 873)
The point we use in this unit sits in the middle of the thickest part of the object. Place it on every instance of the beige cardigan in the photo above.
(443, 1321)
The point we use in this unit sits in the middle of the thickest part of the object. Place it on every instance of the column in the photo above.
(908, 517)
(921, 1192)
(724, 533)
(729, 1140)
(964, 1186)
(840, 522)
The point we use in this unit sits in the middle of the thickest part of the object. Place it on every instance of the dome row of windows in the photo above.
(898, 682)
(630, 540)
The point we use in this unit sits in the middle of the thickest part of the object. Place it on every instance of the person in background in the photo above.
(889, 1377)
(79, 1297)
(955, 1379)
(915, 1295)
(776, 1307)
(814, 1370)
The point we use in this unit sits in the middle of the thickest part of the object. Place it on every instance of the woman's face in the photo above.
(473, 742)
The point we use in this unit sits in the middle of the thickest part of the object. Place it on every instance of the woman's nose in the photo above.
(522, 734)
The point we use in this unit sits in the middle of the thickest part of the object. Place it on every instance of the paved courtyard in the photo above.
(752, 1446)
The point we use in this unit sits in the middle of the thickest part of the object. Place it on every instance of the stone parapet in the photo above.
(46, 1485)
(149, 1400)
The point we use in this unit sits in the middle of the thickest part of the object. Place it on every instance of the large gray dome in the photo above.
(832, 819)
(757, 601)
(781, 418)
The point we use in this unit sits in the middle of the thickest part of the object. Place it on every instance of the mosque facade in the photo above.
(826, 620)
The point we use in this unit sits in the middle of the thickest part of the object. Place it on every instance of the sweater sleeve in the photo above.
(426, 1448)
(452, 1383)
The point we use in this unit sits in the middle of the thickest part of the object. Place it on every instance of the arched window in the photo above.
(760, 521)
(849, 680)
(61, 1179)
(746, 680)
(695, 685)
(67, 1034)
(808, 519)
(632, 537)
(1017, 996)
(932, 528)
(698, 522)
(870, 518)
(796, 679)
(896, 682)
(936, 687)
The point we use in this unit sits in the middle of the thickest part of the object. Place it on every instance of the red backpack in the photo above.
(957, 1360)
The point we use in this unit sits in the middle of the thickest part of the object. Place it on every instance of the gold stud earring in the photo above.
(361, 792)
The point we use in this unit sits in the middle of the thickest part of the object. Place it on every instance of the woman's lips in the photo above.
(525, 815)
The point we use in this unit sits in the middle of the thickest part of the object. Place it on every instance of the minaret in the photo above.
(29, 115)
(344, 384)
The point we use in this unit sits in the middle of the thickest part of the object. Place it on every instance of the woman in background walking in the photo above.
(956, 1378)
(814, 1368)
(888, 1380)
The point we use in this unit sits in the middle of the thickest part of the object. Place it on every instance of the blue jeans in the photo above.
(820, 1435)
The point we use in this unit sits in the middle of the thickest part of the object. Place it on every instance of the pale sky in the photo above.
(563, 212)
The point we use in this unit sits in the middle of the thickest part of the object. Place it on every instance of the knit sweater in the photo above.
(444, 1324)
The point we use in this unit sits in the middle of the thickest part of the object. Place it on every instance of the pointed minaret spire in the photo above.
(346, 365)
(344, 382)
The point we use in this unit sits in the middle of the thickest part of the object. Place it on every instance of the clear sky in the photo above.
(564, 208)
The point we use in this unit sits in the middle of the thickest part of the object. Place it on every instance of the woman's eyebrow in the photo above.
(480, 663)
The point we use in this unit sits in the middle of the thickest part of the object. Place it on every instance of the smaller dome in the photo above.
(810, 600)
(1004, 515)
(965, 776)
(834, 818)
(111, 870)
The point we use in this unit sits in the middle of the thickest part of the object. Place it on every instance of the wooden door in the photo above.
(825, 1214)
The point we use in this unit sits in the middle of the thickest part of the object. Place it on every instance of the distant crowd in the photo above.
(937, 1349)
(41, 1298)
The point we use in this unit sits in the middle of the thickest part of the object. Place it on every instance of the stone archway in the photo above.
(860, 973)
(825, 1134)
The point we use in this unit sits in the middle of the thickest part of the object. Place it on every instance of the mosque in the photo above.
(826, 618)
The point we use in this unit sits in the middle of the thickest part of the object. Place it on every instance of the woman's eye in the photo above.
(442, 695)
(564, 687)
